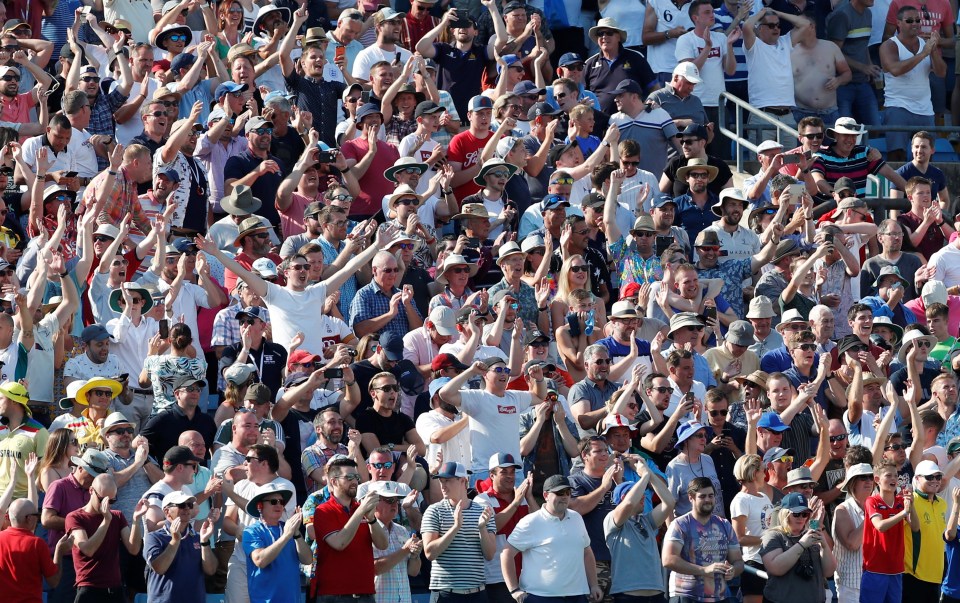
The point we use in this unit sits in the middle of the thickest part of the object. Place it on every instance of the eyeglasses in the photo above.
(252, 459)
(103, 393)
(573, 67)
(388, 388)
(89, 79)
(385, 465)
(911, 21)
(501, 370)
(407, 201)
(698, 175)
(602, 361)
(351, 477)
(178, 38)
(262, 131)
(718, 413)
(784, 459)
(662, 389)
(894, 447)
(298, 267)
(157, 114)
(191, 389)
(123, 431)
(803, 514)
(389, 270)
(838, 438)
(933, 478)
(579, 269)
(185, 505)
(273, 501)
(603, 33)
(11, 78)
(689, 141)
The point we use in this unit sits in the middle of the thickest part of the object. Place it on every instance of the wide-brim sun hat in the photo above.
(116, 294)
(97, 382)
(607, 23)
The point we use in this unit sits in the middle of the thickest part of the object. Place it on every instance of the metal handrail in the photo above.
(739, 140)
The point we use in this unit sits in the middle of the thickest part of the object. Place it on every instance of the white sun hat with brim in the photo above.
(265, 491)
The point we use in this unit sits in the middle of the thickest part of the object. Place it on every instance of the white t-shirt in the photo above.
(759, 513)
(689, 46)
(134, 126)
(662, 57)
(456, 449)
(494, 423)
(293, 311)
(770, 73)
(371, 55)
(427, 211)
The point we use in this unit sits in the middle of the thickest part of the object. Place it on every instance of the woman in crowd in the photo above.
(751, 513)
(163, 369)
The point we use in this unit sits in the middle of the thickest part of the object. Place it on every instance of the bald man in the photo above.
(24, 558)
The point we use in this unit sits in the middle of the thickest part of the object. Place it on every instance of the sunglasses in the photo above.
(803, 514)
(11, 78)
(178, 38)
(102, 239)
(191, 389)
(90, 79)
(262, 131)
(501, 370)
(699, 175)
(273, 501)
(662, 389)
(574, 67)
(576, 269)
(606, 33)
(298, 267)
(499, 174)
(643, 234)
(346, 198)
(911, 21)
(784, 459)
(103, 393)
(351, 99)
(157, 113)
(353, 477)
(922, 344)
(252, 459)
(808, 347)
(771, 25)
(388, 388)
(838, 438)
(460, 270)
(629, 163)
(407, 201)
(120, 431)
(813, 136)
(385, 465)
(894, 447)
(933, 478)
(689, 141)
(718, 413)
(602, 361)
(185, 505)
(389, 270)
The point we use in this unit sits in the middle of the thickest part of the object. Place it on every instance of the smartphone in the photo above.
(796, 190)
(792, 158)
(473, 242)
(710, 312)
(814, 524)
(688, 397)
(340, 52)
(828, 238)
(365, 97)
(71, 174)
(327, 156)
(662, 244)
(334, 373)
(164, 328)
(85, 10)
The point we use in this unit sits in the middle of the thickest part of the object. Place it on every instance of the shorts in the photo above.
(750, 583)
(881, 588)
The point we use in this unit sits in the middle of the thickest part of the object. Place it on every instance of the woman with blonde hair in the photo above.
(238, 377)
(751, 512)
(797, 554)
(574, 274)
(55, 465)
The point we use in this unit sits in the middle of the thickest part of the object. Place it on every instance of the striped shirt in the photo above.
(849, 562)
(652, 130)
(393, 586)
(723, 21)
(856, 166)
(461, 566)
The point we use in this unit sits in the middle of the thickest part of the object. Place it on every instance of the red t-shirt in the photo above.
(882, 552)
(102, 570)
(373, 186)
(24, 561)
(346, 572)
(465, 149)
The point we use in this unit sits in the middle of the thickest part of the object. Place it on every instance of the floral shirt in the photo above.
(631, 268)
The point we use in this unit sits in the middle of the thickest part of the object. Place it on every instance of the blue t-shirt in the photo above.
(279, 582)
(618, 350)
(583, 484)
(936, 177)
(183, 581)
(951, 584)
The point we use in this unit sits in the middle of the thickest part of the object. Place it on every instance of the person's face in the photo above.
(241, 72)
(155, 119)
(682, 87)
(930, 484)
(891, 237)
(98, 351)
(909, 23)
(709, 255)
(553, 218)
(683, 372)
(385, 393)
(504, 478)
(803, 353)
(381, 78)
(938, 326)
(704, 17)
(118, 438)
(598, 367)
(769, 439)
(663, 216)
(465, 35)
(194, 441)
(624, 328)
(769, 29)
(921, 150)
(245, 429)
(692, 147)
(188, 396)
(387, 31)
(381, 466)
(862, 324)
(921, 199)
(512, 265)
(478, 227)
(596, 456)
(313, 61)
(780, 392)
(58, 137)
(697, 180)
(703, 501)
(452, 487)
(480, 120)
(298, 272)
(812, 137)
(609, 40)
(496, 378)
(896, 451)
(619, 439)
(348, 30)
(387, 509)
(823, 326)
(385, 272)
(260, 138)
(845, 142)
(516, 19)
(346, 480)
(630, 164)
(838, 439)
(660, 393)
(688, 284)
(566, 98)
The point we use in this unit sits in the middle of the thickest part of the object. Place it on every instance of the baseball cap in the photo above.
(452, 469)
(569, 58)
(503, 459)
(541, 108)
(479, 103)
(392, 346)
(446, 361)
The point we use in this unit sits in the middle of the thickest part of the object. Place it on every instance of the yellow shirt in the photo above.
(15, 447)
(923, 550)
(86, 430)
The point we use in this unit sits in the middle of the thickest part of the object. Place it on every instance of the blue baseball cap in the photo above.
(527, 87)
(795, 503)
(621, 491)
(771, 421)
(508, 61)
(252, 312)
(436, 384)
(661, 199)
(170, 174)
(479, 103)
(569, 59)
(553, 202)
(183, 244)
(184, 60)
(228, 88)
(392, 346)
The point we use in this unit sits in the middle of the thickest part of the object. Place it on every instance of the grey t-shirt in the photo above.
(129, 494)
(634, 554)
(680, 473)
(853, 29)
(792, 586)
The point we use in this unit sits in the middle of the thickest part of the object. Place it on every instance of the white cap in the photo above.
(175, 498)
(926, 468)
(934, 292)
(266, 267)
(688, 71)
(769, 145)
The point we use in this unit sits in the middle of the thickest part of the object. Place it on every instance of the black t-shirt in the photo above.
(287, 149)
(899, 378)
(583, 484)
(270, 359)
(680, 187)
(163, 430)
(389, 430)
(265, 187)
(405, 371)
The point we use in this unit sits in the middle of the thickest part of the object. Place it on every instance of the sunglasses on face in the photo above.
(629, 163)
(191, 389)
(922, 344)
(911, 21)
(298, 267)
(808, 347)
(838, 438)
(933, 478)
(90, 79)
(407, 201)
(389, 270)
(252, 459)
(501, 370)
(262, 131)
(699, 175)
(352, 477)
(157, 114)
(388, 388)
(562, 182)
(102, 239)
(784, 459)
(385, 465)
(662, 389)
(689, 141)
(576, 269)
(539, 344)
(11, 78)
(185, 505)
(460, 270)
(602, 361)
(273, 501)
(123, 431)
(605, 33)
(894, 447)
(102, 393)
(574, 67)
(771, 25)
(178, 38)
(247, 321)
(813, 136)
(499, 174)
(801, 514)
(718, 413)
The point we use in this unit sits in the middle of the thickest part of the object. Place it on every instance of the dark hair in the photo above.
(59, 120)
(648, 380)
(857, 454)
(697, 484)
(584, 443)
(810, 122)
(340, 462)
(695, 5)
(906, 9)
(268, 454)
(601, 173)
(857, 308)
(931, 418)
(180, 336)
(676, 355)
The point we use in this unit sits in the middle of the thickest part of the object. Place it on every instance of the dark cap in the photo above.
(184, 244)
(569, 58)
(178, 455)
(94, 333)
(187, 381)
(844, 184)
(558, 150)
(368, 109)
(427, 108)
(392, 346)
(527, 87)
(556, 483)
(535, 335)
(294, 379)
(696, 130)
(513, 5)
(593, 201)
(253, 312)
(312, 209)
(553, 202)
(541, 108)
(628, 86)
(258, 392)
(447, 361)
(479, 103)
(451, 469)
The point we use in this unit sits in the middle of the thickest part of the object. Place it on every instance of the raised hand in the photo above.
(291, 529)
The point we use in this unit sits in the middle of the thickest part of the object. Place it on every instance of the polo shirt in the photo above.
(602, 76)
(692, 218)
(15, 446)
(265, 187)
(270, 359)
(552, 549)
(346, 572)
(856, 166)
(923, 550)
(716, 187)
(183, 580)
(460, 72)
(163, 430)
(24, 561)
(596, 396)
(461, 565)
(680, 108)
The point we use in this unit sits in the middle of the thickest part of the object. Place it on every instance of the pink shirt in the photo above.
(953, 303)
(291, 219)
(17, 109)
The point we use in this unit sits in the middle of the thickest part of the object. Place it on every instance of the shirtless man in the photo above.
(819, 68)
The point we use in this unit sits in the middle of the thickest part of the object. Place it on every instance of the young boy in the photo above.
(883, 546)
